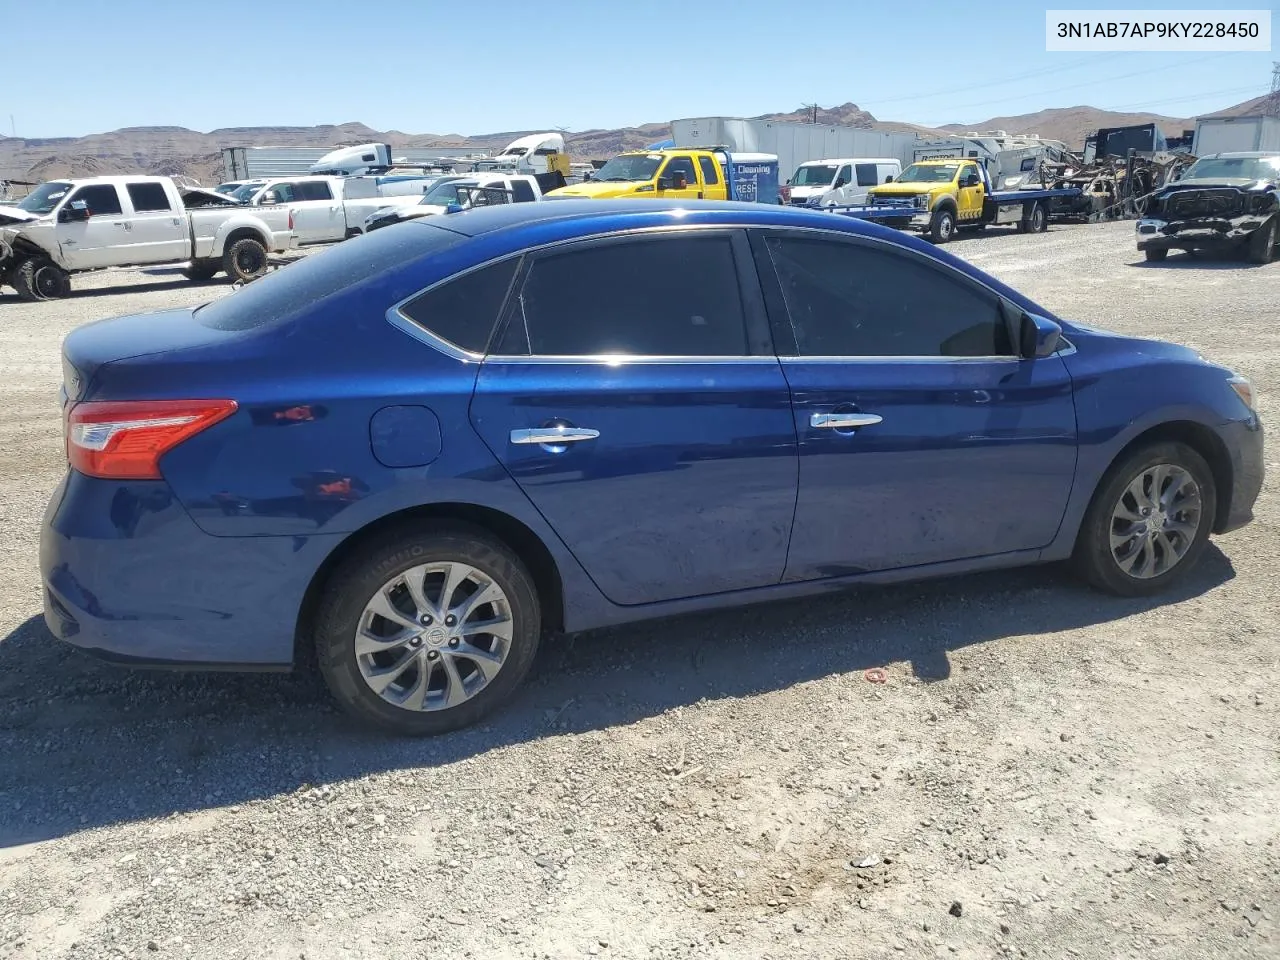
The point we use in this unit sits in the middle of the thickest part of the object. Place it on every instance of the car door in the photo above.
(969, 199)
(323, 212)
(843, 193)
(680, 165)
(923, 439)
(635, 398)
(104, 239)
(159, 232)
(713, 185)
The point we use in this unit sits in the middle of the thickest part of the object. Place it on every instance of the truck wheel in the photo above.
(1039, 220)
(943, 226)
(1155, 254)
(1262, 245)
(246, 259)
(201, 269)
(39, 278)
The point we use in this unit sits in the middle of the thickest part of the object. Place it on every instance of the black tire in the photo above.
(942, 226)
(357, 579)
(200, 270)
(1093, 559)
(1262, 245)
(1038, 222)
(39, 278)
(246, 259)
(351, 232)
(1155, 254)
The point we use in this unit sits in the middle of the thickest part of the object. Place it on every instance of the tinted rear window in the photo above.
(465, 309)
(290, 290)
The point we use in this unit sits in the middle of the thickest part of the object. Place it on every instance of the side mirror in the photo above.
(269, 199)
(77, 211)
(664, 183)
(972, 180)
(888, 179)
(1037, 336)
(840, 182)
(453, 208)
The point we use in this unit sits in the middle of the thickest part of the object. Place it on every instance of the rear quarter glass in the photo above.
(288, 292)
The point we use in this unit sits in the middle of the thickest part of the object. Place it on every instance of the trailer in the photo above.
(791, 143)
(1236, 135)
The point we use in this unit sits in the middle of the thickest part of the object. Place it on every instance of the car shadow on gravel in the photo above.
(85, 744)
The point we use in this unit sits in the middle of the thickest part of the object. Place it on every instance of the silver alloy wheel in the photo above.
(433, 636)
(1155, 521)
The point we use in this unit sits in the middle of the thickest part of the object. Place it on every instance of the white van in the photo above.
(840, 182)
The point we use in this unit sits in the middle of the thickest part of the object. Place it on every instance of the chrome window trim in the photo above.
(398, 319)
(621, 360)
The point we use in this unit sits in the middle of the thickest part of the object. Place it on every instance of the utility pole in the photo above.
(13, 127)
(813, 111)
(1272, 108)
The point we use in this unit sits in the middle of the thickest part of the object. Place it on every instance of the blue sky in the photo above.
(85, 66)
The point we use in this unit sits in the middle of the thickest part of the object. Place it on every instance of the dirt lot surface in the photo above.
(1046, 772)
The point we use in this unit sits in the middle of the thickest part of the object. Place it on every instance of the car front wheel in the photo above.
(429, 630)
(1149, 521)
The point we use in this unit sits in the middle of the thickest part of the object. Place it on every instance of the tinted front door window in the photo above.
(860, 301)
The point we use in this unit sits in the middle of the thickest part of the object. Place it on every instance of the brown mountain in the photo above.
(1072, 124)
(177, 150)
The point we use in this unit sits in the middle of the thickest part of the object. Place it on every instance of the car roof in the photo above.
(584, 217)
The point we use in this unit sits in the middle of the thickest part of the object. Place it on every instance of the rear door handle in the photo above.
(553, 435)
(843, 421)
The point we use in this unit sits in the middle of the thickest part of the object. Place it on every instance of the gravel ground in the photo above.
(1046, 772)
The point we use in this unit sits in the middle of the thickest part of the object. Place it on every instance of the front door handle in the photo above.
(553, 435)
(843, 421)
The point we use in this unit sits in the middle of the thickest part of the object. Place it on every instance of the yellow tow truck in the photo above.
(682, 174)
(941, 196)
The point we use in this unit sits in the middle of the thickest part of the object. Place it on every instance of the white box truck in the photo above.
(1236, 135)
(792, 143)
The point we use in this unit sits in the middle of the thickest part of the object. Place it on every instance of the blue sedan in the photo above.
(417, 453)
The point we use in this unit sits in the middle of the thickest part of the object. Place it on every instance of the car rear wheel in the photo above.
(1155, 255)
(429, 630)
(245, 260)
(1149, 521)
(1262, 245)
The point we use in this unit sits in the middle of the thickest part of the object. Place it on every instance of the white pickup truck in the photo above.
(463, 191)
(70, 226)
(327, 209)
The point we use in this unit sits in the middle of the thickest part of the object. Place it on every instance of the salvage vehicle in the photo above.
(948, 195)
(1227, 201)
(822, 183)
(461, 193)
(70, 226)
(678, 174)
(416, 452)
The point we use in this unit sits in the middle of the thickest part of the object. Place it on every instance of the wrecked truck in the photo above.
(72, 226)
(1226, 201)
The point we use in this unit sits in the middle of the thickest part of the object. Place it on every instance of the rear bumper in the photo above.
(128, 576)
(1244, 440)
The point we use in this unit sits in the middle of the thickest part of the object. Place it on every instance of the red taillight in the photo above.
(290, 219)
(125, 440)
